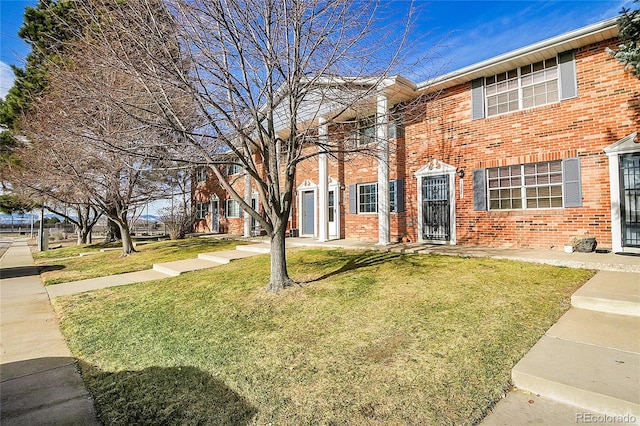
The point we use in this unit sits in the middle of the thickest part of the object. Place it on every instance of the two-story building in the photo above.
(527, 149)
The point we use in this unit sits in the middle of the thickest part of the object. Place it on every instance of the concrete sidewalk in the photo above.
(39, 380)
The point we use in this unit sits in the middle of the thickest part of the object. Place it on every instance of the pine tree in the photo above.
(628, 51)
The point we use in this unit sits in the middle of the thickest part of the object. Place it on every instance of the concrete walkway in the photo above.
(159, 270)
(39, 380)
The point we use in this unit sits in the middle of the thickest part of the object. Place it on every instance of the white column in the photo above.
(247, 199)
(323, 182)
(383, 170)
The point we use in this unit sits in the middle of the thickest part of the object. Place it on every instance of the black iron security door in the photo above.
(436, 223)
(630, 197)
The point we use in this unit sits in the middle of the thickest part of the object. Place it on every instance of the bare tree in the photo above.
(83, 143)
(40, 174)
(269, 79)
(179, 216)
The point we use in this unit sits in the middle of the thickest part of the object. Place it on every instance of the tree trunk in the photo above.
(279, 275)
(113, 232)
(83, 234)
(127, 241)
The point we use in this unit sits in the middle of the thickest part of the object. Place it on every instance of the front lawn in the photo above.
(64, 265)
(372, 338)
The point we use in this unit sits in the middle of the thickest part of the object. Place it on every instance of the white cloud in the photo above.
(6, 79)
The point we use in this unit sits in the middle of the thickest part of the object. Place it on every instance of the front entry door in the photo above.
(215, 220)
(435, 208)
(333, 213)
(630, 199)
(308, 212)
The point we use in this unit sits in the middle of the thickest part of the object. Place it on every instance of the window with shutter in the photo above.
(541, 83)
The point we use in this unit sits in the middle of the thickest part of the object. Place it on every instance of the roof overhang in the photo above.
(593, 33)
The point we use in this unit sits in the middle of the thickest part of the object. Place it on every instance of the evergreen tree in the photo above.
(48, 28)
(628, 51)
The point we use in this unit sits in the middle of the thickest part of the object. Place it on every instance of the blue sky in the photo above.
(468, 31)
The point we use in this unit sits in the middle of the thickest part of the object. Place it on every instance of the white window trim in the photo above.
(523, 188)
(520, 91)
(202, 174)
(358, 204)
(202, 210)
(227, 201)
(234, 169)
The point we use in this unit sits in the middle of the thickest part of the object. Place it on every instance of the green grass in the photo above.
(371, 338)
(64, 265)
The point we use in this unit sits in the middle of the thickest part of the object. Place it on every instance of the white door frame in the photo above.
(308, 185)
(215, 198)
(437, 168)
(335, 188)
(625, 145)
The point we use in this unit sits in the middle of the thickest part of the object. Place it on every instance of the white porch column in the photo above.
(383, 170)
(323, 182)
(247, 199)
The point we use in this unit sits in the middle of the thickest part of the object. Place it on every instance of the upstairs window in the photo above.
(521, 88)
(234, 169)
(202, 174)
(366, 132)
(545, 82)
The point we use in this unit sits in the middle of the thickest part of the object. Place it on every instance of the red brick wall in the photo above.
(203, 191)
(605, 110)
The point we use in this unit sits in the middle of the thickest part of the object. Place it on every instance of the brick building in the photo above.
(527, 149)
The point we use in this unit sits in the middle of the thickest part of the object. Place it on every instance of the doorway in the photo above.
(308, 212)
(436, 223)
(630, 199)
(215, 218)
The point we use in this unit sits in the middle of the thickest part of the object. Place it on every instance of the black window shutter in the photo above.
(567, 68)
(399, 195)
(571, 182)
(353, 202)
(477, 99)
(479, 190)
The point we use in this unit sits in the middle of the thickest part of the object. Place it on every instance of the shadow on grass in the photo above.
(357, 261)
(165, 395)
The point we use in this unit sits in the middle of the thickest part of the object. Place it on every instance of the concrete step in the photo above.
(226, 256)
(524, 408)
(255, 248)
(105, 250)
(88, 253)
(179, 267)
(621, 332)
(600, 380)
(611, 292)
